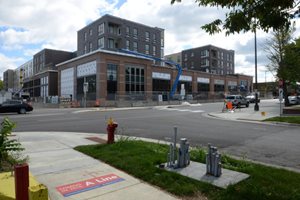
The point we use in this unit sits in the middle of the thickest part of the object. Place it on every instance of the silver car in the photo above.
(237, 100)
(294, 100)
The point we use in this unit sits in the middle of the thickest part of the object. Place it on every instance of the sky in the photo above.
(28, 26)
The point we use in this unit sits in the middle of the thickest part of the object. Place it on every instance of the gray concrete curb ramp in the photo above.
(69, 174)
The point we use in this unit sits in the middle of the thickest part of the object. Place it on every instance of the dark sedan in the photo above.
(15, 106)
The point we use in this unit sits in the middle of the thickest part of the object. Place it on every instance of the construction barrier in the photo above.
(75, 104)
(229, 105)
(97, 103)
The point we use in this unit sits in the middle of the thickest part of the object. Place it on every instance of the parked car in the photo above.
(294, 100)
(251, 98)
(15, 106)
(237, 100)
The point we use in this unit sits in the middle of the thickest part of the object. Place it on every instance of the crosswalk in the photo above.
(179, 110)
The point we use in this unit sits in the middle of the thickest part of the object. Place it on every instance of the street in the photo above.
(266, 143)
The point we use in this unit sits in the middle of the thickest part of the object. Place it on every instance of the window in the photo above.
(161, 85)
(85, 49)
(111, 43)
(187, 86)
(154, 37)
(162, 52)
(91, 93)
(134, 79)
(85, 36)
(162, 38)
(204, 62)
(147, 48)
(114, 29)
(91, 47)
(135, 33)
(204, 53)
(135, 46)
(154, 50)
(100, 29)
(112, 85)
(192, 65)
(192, 54)
(147, 36)
(112, 72)
(101, 43)
(91, 32)
(127, 31)
(127, 44)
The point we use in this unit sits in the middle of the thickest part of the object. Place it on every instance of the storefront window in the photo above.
(134, 79)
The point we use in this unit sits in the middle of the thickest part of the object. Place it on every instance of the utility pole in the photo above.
(256, 107)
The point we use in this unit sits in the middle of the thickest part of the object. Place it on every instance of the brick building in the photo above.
(210, 59)
(113, 33)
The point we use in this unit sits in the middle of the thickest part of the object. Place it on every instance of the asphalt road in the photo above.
(272, 144)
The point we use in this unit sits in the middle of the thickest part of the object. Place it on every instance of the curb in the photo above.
(255, 121)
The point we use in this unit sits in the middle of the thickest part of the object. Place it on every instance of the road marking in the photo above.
(180, 110)
(31, 115)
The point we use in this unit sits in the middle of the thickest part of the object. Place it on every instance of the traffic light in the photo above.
(21, 76)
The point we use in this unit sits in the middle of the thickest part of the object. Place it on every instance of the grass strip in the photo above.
(288, 119)
(140, 158)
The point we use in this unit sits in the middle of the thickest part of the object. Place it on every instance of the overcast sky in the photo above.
(28, 26)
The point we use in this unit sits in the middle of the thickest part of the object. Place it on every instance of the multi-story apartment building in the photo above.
(113, 33)
(43, 81)
(21, 74)
(210, 59)
(8, 80)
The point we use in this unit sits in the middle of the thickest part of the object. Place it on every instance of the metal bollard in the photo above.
(21, 181)
(213, 161)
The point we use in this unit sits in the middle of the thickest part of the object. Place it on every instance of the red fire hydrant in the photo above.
(111, 127)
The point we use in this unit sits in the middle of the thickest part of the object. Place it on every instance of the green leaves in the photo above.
(213, 27)
(6, 144)
(243, 15)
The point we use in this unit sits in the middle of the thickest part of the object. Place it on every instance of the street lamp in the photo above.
(256, 107)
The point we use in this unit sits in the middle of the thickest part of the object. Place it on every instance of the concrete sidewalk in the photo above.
(247, 114)
(69, 174)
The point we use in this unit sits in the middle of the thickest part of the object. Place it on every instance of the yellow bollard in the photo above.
(38, 192)
(263, 113)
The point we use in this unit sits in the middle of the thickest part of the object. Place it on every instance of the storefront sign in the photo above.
(185, 78)
(219, 82)
(202, 80)
(232, 83)
(90, 184)
(158, 75)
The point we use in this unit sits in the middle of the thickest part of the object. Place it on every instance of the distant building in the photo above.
(41, 79)
(113, 33)
(210, 59)
(8, 80)
(175, 57)
(21, 74)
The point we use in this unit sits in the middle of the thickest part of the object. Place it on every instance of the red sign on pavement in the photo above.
(82, 186)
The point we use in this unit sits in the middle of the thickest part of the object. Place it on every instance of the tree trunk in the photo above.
(285, 93)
